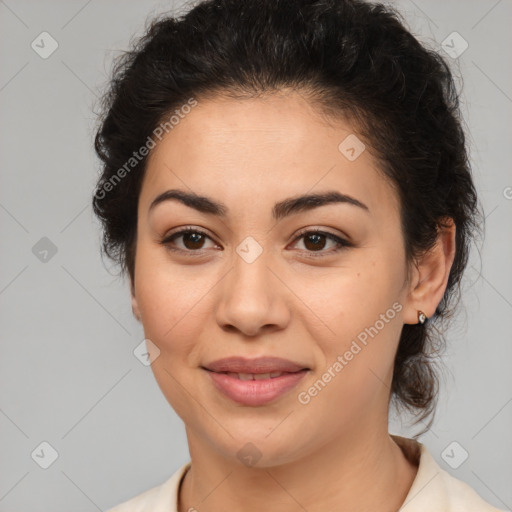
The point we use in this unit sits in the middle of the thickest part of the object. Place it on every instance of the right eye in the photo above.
(192, 240)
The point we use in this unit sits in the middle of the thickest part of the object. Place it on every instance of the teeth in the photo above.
(254, 376)
(261, 376)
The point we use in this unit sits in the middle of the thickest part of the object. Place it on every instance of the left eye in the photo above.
(315, 241)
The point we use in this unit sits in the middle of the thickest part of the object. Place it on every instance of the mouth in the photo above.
(257, 366)
(256, 376)
(255, 389)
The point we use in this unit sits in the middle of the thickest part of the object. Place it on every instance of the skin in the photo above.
(250, 154)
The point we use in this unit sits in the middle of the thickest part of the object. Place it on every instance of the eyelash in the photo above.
(340, 242)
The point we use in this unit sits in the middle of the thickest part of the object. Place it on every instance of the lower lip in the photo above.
(255, 392)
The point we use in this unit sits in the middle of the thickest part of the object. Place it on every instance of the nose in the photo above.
(252, 298)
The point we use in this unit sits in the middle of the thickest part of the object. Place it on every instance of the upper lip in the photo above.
(257, 365)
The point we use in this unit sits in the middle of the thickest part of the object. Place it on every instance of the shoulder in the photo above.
(436, 489)
(161, 498)
(461, 497)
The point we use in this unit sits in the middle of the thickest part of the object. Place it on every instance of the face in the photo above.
(256, 281)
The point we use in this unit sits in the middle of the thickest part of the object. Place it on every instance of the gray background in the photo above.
(68, 375)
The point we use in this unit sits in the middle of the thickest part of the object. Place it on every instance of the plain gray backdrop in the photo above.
(68, 375)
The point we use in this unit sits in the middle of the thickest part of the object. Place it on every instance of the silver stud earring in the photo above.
(422, 318)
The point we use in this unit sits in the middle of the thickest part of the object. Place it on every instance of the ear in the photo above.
(135, 305)
(430, 275)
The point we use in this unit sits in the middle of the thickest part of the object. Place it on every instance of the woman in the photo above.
(286, 185)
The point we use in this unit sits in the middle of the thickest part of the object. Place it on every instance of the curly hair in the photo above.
(352, 58)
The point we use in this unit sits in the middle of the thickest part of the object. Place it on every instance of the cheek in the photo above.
(352, 297)
(356, 371)
(170, 305)
(169, 299)
(360, 306)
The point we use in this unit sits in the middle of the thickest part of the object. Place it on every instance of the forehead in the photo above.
(246, 151)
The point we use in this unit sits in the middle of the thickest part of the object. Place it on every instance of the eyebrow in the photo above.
(281, 209)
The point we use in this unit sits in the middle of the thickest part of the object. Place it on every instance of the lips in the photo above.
(255, 382)
(257, 392)
(254, 367)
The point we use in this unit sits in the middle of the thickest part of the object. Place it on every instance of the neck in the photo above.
(357, 472)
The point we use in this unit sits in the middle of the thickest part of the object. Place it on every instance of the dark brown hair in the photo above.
(353, 58)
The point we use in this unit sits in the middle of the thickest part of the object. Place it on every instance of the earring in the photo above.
(422, 318)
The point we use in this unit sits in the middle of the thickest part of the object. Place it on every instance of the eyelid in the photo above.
(186, 229)
(322, 231)
(183, 230)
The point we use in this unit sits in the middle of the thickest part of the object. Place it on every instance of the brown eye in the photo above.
(315, 241)
(193, 240)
